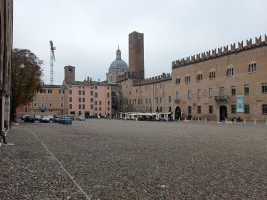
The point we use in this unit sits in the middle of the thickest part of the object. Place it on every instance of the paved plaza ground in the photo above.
(116, 159)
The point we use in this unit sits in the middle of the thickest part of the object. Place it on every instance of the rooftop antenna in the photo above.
(52, 59)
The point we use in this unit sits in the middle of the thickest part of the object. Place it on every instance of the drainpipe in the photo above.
(4, 70)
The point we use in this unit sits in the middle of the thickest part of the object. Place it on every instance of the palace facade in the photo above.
(222, 84)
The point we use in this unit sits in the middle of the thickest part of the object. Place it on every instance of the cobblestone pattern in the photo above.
(113, 159)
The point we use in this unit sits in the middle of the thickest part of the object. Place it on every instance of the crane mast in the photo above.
(52, 59)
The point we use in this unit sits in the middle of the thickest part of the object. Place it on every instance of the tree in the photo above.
(26, 76)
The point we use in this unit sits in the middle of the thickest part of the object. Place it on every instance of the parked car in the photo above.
(23, 116)
(50, 117)
(57, 119)
(71, 116)
(29, 119)
(37, 117)
(45, 119)
(80, 118)
(66, 120)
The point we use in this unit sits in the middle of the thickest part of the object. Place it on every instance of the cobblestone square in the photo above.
(116, 159)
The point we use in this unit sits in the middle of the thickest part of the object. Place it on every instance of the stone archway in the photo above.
(178, 113)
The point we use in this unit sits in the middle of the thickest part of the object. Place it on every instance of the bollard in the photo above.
(235, 120)
(192, 119)
(197, 119)
(179, 119)
(255, 121)
(244, 121)
(205, 119)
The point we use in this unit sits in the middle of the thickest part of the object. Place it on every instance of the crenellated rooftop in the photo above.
(215, 53)
(155, 79)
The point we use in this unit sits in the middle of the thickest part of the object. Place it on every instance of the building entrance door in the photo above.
(223, 113)
(177, 112)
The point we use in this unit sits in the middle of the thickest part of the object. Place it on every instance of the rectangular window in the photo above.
(96, 87)
(233, 90)
(80, 92)
(134, 101)
(160, 100)
(50, 91)
(210, 92)
(95, 108)
(70, 91)
(70, 99)
(96, 94)
(35, 105)
(70, 106)
(108, 94)
(199, 93)
(91, 93)
(264, 108)
(189, 109)
(92, 100)
(83, 92)
(230, 72)
(233, 109)
(177, 95)
(100, 109)
(149, 100)
(222, 91)
(99, 102)
(264, 88)
(189, 94)
(142, 101)
(160, 109)
(199, 77)
(146, 101)
(156, 100)
(177, 81)
(92, 106)
(170, 109)
(80, 99)
(95, 102)
(50, 105)
(50, 98)
(187, 79)
(212, 75)
(83, 99)
(138, 101)
(43, 91)
(199, 110)
(210, 109)
(83, 106)
(130, 101)
(108, 102)
(80, 106)
(246, 89)
(246, 109)
(42, 105)
(61, 98)
(42, 98)
(170, 99)
(61, 104)
(35, 98)
(252, 67)
(61, 91)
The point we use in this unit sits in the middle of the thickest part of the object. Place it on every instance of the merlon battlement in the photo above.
(221, 52)
(155, 79)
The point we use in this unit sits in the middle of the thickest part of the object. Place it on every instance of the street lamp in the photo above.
(14, 113)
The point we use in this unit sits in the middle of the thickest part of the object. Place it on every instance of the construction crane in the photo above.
(52, 59)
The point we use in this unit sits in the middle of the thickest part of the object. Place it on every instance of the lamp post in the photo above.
(14, 113)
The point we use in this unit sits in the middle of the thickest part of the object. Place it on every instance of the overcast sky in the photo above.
(86, 33)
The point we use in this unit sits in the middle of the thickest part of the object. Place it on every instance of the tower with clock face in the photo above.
(69, 74)
(136, 54)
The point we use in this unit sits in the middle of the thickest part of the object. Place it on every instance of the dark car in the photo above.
(29, 119)
(66, 120)
(23, 116)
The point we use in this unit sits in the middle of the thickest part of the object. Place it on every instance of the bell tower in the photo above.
(69, 74)
(136, 54)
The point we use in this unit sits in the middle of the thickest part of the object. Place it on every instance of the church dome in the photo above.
(118, 63)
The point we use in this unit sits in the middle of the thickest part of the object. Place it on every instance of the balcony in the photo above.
(224, 98)
(177, 101)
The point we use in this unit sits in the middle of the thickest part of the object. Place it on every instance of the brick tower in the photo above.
(136, 54)
(69, 74)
